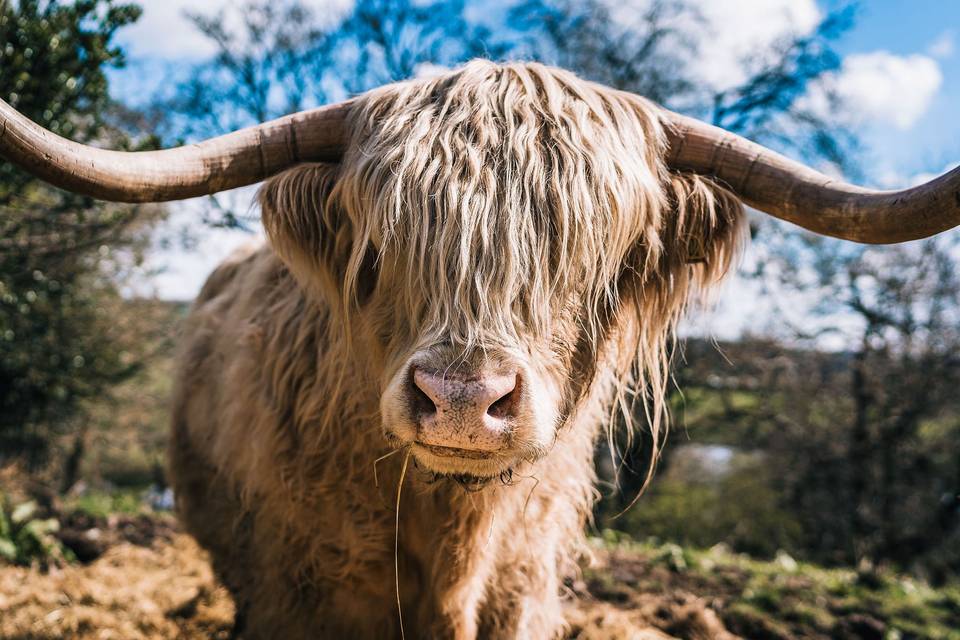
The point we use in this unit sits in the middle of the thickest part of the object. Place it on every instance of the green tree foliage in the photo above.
(874, 460)
(60, 254)
(853, 450)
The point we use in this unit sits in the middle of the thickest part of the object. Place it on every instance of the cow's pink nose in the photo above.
(465, 413)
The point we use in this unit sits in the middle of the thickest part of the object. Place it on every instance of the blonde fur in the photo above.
(497, 209)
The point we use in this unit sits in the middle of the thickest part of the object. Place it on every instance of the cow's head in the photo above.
(495, 239)
(487, 237)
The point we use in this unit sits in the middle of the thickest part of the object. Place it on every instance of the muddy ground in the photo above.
(161, 586)
(161, 590)
(145, 579)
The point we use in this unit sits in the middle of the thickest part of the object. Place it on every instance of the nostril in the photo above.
(506, 406)
(420, 402)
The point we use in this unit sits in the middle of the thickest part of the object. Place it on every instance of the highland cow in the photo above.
(385, 417)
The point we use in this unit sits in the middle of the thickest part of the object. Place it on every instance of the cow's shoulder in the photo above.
(237, 265)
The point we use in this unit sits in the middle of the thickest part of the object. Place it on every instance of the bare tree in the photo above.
(650, 53)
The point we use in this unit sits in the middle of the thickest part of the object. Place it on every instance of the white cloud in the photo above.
(164, 32)
(729, 33)
(892, 179)
(734, 30)
(730, 30)
(944, 45)
(879, 88)
(429, 70)
(922, 178)
(888, 89)
(177, 273)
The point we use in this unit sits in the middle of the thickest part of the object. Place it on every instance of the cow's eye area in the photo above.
(367, 276)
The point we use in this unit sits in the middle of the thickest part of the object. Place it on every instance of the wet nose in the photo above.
(471, 413)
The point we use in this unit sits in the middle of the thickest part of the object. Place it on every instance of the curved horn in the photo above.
(228, 161)
(791, 191)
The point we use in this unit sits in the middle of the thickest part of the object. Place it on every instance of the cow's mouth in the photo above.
(456, 452)
(468, 481)
(469, 467)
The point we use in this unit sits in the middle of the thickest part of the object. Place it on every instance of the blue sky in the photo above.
(920, 27)
(900, 80)
(918, 32)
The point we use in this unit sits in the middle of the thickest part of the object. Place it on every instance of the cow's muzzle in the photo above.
(468, 415)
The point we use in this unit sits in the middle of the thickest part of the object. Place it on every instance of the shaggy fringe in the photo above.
(470, 194)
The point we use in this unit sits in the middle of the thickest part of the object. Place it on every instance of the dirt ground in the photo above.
(138, 577)
(132, 592)
(164, 588)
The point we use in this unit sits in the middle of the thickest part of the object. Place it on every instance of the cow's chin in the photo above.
(463, 465)
(468, 467)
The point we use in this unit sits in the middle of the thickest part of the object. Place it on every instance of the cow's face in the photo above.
(486, 238)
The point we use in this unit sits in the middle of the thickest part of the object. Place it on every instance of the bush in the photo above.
(741, 509)
(28, 539)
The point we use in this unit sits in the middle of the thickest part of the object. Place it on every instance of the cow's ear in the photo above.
(306, 227)
(699, 233)
(704, 230)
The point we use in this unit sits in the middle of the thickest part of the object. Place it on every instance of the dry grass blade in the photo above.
(396, 543)
(376, 480)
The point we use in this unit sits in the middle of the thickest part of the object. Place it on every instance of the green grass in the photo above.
(29, 538)
(784, 598)
(101, 504)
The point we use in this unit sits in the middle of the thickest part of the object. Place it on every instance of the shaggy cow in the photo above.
(385, 418)
(466, 288)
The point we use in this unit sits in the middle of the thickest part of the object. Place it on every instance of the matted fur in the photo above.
(499, 207)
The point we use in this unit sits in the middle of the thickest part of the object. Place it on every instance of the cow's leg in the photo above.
(523, 603)
(211, 512)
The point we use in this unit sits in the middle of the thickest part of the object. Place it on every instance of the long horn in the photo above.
(232, 160)
(791, 191)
